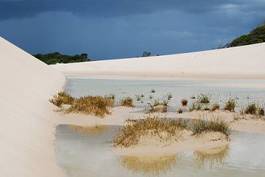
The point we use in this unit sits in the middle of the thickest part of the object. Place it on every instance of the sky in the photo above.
(109, 29)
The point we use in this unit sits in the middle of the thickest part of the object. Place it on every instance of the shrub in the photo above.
(130, 133)
(62, 98)
(200, 126)
(153, 91)
(128, 102)
(203, 99)
(251, 109)
(184, 102)
(215, 107)
(230, 105)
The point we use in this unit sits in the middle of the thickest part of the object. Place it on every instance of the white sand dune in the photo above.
(27, 127)
(238, 62)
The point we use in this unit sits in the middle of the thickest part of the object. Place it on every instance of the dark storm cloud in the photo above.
(114, 8)
(125, 28)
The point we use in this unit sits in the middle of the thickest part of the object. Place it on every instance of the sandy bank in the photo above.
(150, 145)
(121, 114)
(246, 62)
(27, 126)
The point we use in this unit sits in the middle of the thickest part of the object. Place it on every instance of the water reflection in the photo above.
(151, 165)
(89, 130)
(211, 158)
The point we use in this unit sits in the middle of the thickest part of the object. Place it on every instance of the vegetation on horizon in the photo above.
(56, 57)
(255, 36)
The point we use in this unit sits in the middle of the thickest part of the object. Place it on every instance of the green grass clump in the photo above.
(62, 98)
(251, 109)
(204, 99)
(196, 106)
(261, 112)
(230, 105)
(130, 134)
(200, 126)
(128, 102)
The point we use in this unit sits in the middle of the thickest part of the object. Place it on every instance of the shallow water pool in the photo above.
(219, 91)
(87, 152)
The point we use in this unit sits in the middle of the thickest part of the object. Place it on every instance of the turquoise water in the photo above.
(89, 154)
(244, 91)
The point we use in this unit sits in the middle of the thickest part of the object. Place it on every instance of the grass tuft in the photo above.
(261, 112)
(215, 107)
(62, 98)
(130, 134)
(200, 126)
(204, 99)
(128, 102)
(251, 109)
(184, 102)
(96, 105)
(230, 105)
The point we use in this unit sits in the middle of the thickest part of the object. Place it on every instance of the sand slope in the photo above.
(238, 62)
(26, 129)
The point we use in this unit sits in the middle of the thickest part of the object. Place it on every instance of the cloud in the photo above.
(114, 8)
(125, 28)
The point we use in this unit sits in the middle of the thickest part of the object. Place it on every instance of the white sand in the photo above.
(27, 127)
(245, 62)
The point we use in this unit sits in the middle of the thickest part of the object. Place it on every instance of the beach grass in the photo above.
(204, 99)
(62, 98)
(97, 105)
(216, 125)
(130, 134)
(230, 105)
(127, 102)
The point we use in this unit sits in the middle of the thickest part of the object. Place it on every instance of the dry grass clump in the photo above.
(204, 99)
(200, 126)
(215, 107)
(96, 105)
(62, 98)
(158, 106)
(261, 112)
(251, 109)
(130, 134)
(254, 109)
(184, 102)
(230, 105)
(128, 102)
